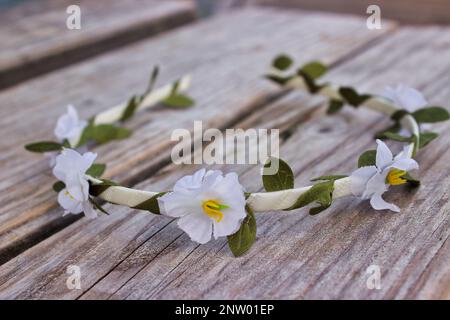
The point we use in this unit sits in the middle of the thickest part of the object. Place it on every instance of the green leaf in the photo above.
(175, 87)
(152, 81)
(98, 206)
(431, 115)
(314, 69)
(392, 129)
(398, 115)
(309, 81)
(282, 62)
(43, 146)
(278, 79)
(352, 97)
(86, 135)
(368, 158)
(412, 182)
(66, 143)
(179, 101)
(98, 188)
(241, 241)
(426, 137)
(283, 179)
(136, 100)
(151, 204)
(103, 133)
(320, 193)
(58, 186)
(335, 106)
(329, 178)
(96, 170)
(397, 137)
(130, 109)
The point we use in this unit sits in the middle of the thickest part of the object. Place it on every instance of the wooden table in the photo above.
(134, 255)
(405, 11)
(35, 38)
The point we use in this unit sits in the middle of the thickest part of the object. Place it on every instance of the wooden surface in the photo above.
(239, 90)
(133, 255)
(405, 11)
(35, 38)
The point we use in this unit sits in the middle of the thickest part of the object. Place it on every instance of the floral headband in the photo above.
(210, 204)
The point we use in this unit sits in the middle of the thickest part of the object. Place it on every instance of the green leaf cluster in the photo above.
(423, 115)
(310, 72)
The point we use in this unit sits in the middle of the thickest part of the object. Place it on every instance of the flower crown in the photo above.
(210, 204)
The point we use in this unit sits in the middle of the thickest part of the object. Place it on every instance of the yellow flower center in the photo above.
(212, 209)
(68, 194)
(394, 177)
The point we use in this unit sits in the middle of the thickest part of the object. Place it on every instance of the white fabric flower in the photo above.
(69, 126)
(405, 97)
(71, 169)
(51, 156)
(206, 203)
(371, 182)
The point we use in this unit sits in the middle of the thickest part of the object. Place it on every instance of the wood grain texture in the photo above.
(405, 11)
(35, 38)
(133, 255)
(226, 76)
(325, 256)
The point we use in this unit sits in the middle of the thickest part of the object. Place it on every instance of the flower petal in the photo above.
(384, 156)
(378, 203)
(69, 204)
(176, 204)
(70, 164)
(230, 223)
(197, 226)
(405, 97)
(190, 182)
(211, 178)
(404, 154)
(376, 184)
(89, 210)
(405, 164)
(359, 179)
(86, 161)
(51, 156)
(69, 126)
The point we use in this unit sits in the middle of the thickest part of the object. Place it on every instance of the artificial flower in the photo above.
(405, 97)
(51, 156)
(69, 126)
(71, 169)
(371, 182)
(207, 203)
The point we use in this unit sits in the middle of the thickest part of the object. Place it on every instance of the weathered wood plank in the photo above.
(136, 233)
(322, 256)
(326, 256)
(406, 11)
(28, 208)
(296, 256)
(35, 38)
